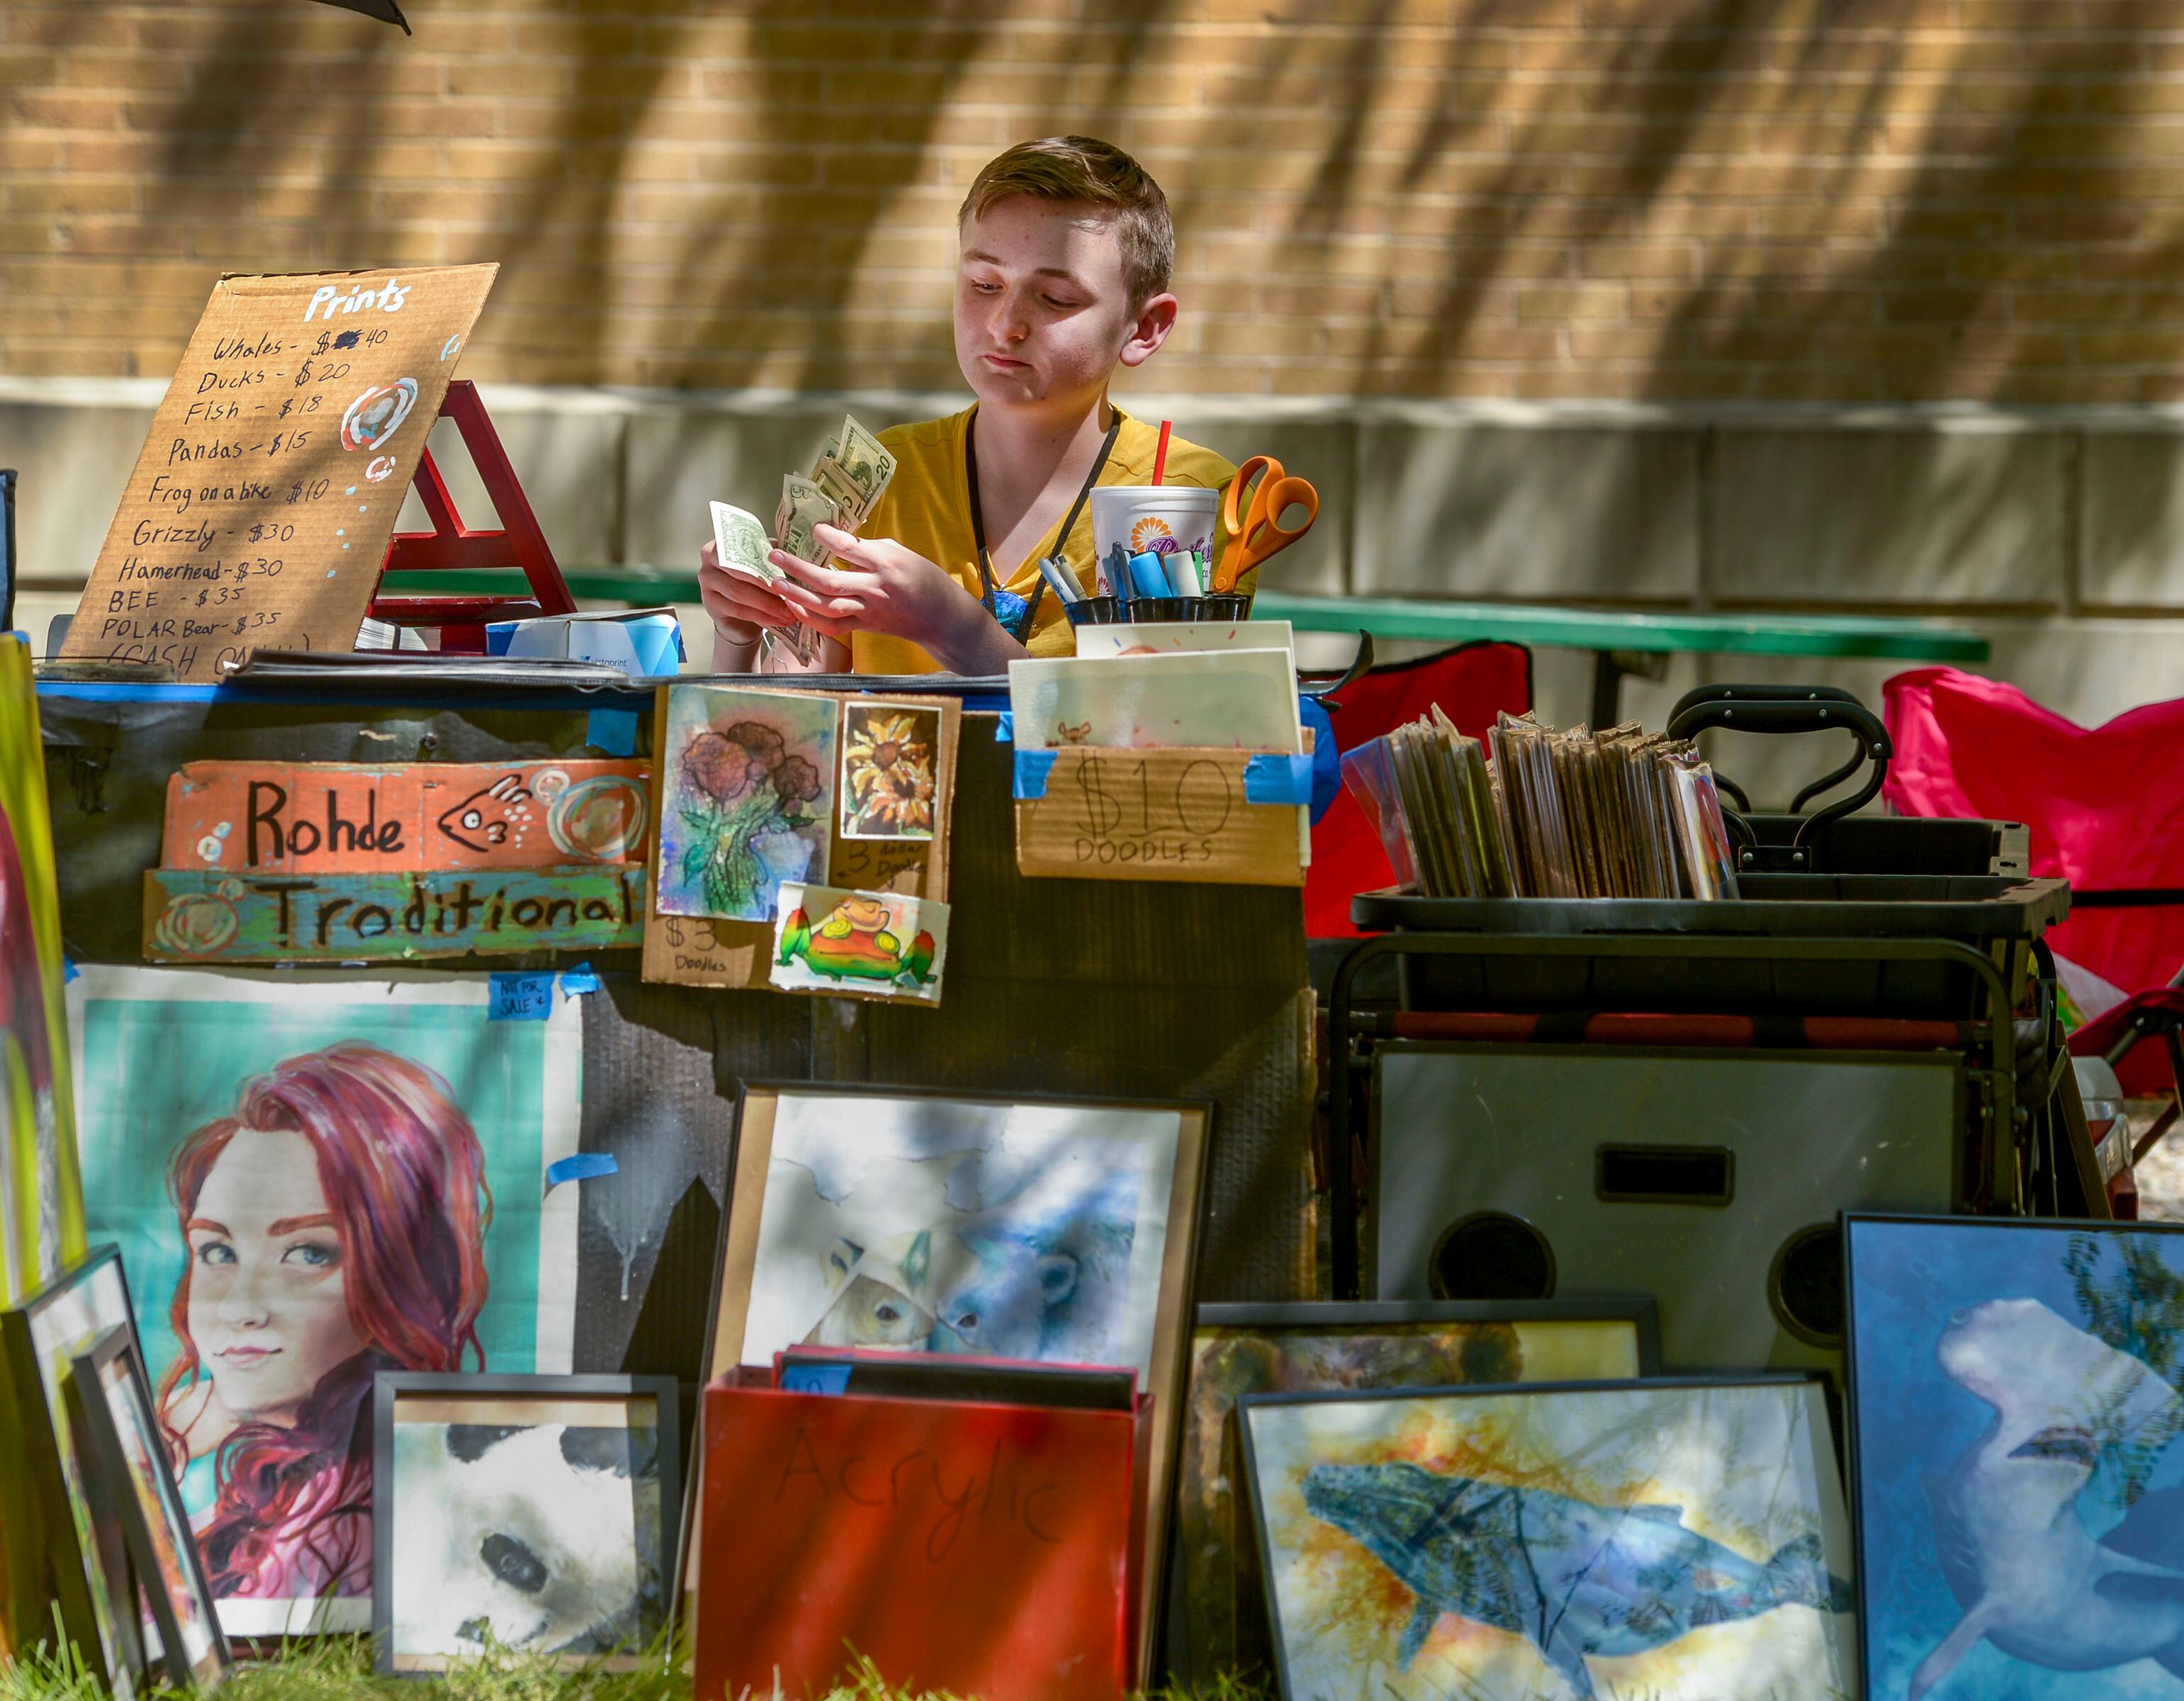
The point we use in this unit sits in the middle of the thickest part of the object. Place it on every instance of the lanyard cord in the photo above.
(990, 595)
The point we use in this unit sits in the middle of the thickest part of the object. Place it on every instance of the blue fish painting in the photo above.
(1678, 1541)
(1573, 1578)
(2016, 1404)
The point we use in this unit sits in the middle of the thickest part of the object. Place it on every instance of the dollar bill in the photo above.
(853, 469)
(804, 505)
(740, 542)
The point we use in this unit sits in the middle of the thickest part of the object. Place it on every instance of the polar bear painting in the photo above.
(1013, 1231)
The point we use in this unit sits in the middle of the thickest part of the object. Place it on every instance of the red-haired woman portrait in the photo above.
(336, 1225)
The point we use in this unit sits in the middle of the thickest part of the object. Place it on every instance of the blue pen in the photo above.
(1148, 578)
(1118, 573)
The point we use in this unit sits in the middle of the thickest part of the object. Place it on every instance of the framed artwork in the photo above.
(2015, 1414)
(1682, 1539)
(531, 1512)
(52, 1528)
(1216, 1617)
(42, 1225)
(747, 783)
(1058, 1230)
(311, 1177)
(116, 1425)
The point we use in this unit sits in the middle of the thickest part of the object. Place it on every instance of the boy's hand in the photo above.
(887, 587)
(739, 606)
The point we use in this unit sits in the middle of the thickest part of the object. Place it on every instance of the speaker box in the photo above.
(1709, 1180)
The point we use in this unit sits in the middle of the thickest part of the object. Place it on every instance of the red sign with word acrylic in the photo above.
(980, 1549)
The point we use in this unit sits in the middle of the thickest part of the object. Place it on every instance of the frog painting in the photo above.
(873, 945)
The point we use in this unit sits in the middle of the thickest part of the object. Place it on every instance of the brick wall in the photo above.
(1664, 199)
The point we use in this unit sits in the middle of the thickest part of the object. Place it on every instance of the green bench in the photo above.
(1625, 643)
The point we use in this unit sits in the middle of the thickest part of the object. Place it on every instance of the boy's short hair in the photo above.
(1082, 168)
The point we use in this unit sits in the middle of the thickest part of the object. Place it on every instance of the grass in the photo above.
(339, 1669)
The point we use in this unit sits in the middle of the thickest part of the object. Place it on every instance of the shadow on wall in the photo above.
(1672, 200)
(1684, 202)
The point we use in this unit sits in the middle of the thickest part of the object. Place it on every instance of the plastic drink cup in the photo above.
(1164, 517)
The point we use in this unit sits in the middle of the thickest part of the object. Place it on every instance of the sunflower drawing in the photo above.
(887, 773)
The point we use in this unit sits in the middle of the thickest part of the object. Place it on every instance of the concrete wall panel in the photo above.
(2134, 507)
(1526, 513)
(1815, 515)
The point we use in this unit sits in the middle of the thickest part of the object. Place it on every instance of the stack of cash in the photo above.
(845, 487)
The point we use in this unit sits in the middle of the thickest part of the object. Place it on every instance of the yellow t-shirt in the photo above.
(927, 507)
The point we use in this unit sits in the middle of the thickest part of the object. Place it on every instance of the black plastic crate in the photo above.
(1682, 975)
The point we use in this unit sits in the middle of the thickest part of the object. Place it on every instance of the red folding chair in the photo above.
(1471, 683)
(2104, 806)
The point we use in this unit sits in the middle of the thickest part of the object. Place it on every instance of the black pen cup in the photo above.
(1231, 607)
(1094, 611)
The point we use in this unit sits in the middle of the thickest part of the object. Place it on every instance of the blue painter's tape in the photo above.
(1032, 767)
(1269, 778)
(583, 1166)
(512, 997)
(579, 980)
(612, 730)
(69, 970)
(1004, 728)
(814, 1379)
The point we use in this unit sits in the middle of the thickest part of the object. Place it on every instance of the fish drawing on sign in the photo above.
(485, 818)
(1573, 1578)
(2013, 1547)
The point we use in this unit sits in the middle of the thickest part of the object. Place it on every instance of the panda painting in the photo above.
(545, 1538)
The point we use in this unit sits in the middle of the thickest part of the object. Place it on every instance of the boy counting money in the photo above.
(1065, 253)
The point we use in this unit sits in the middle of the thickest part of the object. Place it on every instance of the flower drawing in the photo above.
(1151, 533)
(887, 775)
(741, 784)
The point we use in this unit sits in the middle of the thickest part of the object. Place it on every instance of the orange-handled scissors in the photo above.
(1259, 533)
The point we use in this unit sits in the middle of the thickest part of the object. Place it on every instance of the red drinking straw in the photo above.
(1160, 454)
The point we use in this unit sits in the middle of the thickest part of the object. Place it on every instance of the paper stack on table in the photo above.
(853, 471)
(1618, 814)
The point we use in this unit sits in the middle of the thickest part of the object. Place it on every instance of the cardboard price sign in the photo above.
(261, 506)
(1088, 812)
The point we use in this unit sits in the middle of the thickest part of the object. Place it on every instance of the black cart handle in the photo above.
(1737, 715)
(1810, 713)
(1763, 693)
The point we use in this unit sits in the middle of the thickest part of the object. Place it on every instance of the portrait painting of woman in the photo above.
(312, 1177)
(335, 1222)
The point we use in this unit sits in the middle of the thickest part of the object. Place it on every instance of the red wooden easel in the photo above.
(518, 542)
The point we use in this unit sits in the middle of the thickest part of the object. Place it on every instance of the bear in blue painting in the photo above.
(1027, 1277)
(1574, 1578)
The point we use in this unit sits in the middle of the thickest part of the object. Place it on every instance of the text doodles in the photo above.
(1104, 813)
